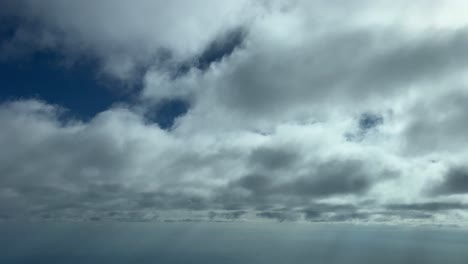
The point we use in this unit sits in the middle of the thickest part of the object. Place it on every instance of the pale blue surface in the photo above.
(227, 243)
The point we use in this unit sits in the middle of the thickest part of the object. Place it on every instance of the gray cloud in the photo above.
(422, 210)
(454, 182)
(121, 34)
(296, 114)
(327, 179)
(421, 60)
(273, 158)
(279, 216)
(230, 215)
(322, 212)
(429, 206)
(268, 81)
(116, 163)
(332, 178)
(437, 123)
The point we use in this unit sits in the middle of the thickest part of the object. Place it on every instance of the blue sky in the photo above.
(41, 76)
(78, 85)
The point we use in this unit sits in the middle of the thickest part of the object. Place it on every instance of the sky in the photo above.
(234, 111)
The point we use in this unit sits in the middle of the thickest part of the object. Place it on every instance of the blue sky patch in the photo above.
(41, 76)
(167, 111)
(369, 120)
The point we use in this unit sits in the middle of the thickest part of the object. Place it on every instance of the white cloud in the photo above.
(273, 125)
(126, 32)
(117, 163)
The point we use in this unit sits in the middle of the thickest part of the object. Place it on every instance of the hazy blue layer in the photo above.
(227, 243)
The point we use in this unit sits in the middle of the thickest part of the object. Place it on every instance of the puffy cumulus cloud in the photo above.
(292, 65)
(119, 166)
(116, 161)
(273, 80)
(298, 111)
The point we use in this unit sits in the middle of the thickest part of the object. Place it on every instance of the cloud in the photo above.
(337, 67)
(272, 159)
(124, 35)
(321, 180)
(367, 123)
(454, 182)
(279, 216)
(117, 162)
(332, 178)
(323, 212)
(437, 121)
(428, 206)
(285, 110)
(432, 210)
(234, 215)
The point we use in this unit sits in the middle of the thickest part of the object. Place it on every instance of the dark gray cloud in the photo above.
(389, 216)
(256, 183)
(229, 215)
(455, 182)
(317, 210)
(221, 48)
(274, 158)
(326, 179)
(332, 178)
(279, 216)
(428, 206)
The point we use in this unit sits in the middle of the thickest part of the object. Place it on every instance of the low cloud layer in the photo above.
(289, 111)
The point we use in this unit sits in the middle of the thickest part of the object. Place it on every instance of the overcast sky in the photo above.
(234, 110)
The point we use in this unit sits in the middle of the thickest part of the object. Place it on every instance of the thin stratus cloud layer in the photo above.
(291, 111)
